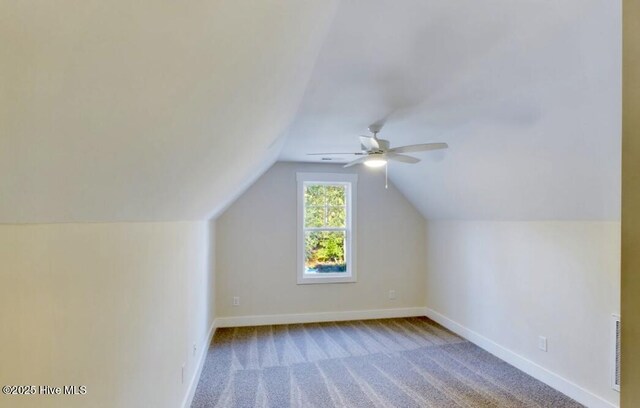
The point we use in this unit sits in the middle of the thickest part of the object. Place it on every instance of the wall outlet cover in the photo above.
(542, 343)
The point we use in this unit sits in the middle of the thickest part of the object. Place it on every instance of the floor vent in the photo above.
(615, 354)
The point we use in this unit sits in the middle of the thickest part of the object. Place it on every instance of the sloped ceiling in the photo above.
(527, 94)
(134, 111)
(145, 110)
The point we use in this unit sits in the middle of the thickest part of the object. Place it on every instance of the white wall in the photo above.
(116, 307)
(256, 250)
(513, 281)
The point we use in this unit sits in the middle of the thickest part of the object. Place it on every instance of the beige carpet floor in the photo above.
(410, 362)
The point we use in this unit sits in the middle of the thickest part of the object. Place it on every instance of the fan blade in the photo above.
(356, 161)
(329, 154)
(402, 158)
(369, 143)
(419, 147)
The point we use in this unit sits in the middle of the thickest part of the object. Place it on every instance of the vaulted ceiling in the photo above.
(526, 93)
(133, 111)
(145, 110)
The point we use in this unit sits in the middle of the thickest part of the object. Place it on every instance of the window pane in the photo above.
(336, 195)
(314, 194)
(324, 252)
(336, 216)
(314, 216)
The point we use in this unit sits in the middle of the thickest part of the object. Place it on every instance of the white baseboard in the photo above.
(536, 371)
(318, 317)
(193, 384)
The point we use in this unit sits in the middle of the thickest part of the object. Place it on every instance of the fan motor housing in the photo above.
(384, 144)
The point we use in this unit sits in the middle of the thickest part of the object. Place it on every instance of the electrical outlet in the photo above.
(392, 294)
(542, 343)
(236, 300)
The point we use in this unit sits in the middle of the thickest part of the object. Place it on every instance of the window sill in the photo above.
(309, 279)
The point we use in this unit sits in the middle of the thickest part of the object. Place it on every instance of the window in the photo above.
(326, 238)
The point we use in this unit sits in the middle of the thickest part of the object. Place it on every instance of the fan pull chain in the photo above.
(386, 171)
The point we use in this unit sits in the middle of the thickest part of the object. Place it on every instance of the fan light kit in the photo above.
(375, 162)
(378, 152)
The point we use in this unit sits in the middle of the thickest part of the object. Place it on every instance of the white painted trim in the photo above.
(538, 372)
(318, 317)
(193, 384)
(350, 180)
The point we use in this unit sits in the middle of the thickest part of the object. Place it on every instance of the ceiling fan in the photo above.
(378, 152)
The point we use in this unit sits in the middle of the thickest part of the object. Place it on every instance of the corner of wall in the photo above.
(211, 281)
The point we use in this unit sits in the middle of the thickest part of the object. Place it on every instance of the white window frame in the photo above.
(350, 181)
